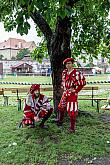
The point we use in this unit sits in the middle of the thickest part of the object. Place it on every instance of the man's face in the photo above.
(37, 93)
(69, 65)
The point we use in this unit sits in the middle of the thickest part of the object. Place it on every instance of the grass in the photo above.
(48, 147)
(45, 79)
(25, 79)
(36, 146)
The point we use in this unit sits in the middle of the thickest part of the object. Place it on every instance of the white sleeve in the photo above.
(46, 103)
(29, 100)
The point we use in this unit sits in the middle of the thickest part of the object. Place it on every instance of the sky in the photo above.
(31, 36)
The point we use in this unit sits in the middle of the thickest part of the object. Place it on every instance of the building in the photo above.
(37, 68)
(1, 70)
(9, 48)
(22, 68)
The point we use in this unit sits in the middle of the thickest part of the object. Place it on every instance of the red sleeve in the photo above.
(63, 78)
(80, 83)
(27, 107)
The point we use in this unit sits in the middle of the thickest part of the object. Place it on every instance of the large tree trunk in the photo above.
(60, 49)
(58, 44)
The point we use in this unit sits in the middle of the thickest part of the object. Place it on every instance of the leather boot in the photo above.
(61, 117)
(41, 125)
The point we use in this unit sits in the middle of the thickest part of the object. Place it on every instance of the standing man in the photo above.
(37, 107)
(72, 82)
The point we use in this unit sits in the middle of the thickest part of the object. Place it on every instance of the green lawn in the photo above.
(45, 79)
(25, 79)
(35, 146)
(27, 146)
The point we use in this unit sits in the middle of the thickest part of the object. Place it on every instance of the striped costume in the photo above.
(36, 107)
(73, 80)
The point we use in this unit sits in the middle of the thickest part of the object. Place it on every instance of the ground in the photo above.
(89, 161)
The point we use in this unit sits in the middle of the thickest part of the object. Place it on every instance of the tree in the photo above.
(13, 58)
(1, 56)
(83, 23)
(22, 53)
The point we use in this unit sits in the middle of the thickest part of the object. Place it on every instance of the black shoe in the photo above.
(71, 130)
(59, 123)
(32, 126)
(43, 126)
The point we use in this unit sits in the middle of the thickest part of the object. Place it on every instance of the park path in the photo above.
(87, 161)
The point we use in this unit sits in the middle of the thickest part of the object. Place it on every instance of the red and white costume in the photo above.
(76, 81)
(72, 83)
(36, 107)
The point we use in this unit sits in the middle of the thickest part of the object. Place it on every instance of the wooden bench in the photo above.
(92, 96)
(6, 93)
(2, 93)
(97, 100)
(20, 93)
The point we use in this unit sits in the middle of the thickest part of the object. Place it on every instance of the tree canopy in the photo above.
(90, 26)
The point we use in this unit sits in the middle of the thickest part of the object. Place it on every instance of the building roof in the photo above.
(15, 43)
(20, 64)
(27, 58)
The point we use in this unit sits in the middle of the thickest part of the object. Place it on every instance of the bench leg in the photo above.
(92, 103)
(98, 106)
(19, 104)
(5, 100)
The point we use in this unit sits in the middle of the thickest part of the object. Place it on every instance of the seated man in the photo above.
(37, 107)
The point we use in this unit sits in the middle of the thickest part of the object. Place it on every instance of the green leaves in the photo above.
(88, 19)
(40, 52)
(22, 53)
(89, 23)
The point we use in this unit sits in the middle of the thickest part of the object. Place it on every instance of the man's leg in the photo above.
(61, 110)
(72, 124)
(72, 112)
(61, 117)
(45, 118)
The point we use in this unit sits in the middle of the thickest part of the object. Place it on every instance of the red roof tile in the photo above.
(15, 43)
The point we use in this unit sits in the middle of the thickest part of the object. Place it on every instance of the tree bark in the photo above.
(60, 49)
(58, 44)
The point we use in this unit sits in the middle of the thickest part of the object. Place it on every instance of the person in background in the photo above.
(37, 107)
(72, 83)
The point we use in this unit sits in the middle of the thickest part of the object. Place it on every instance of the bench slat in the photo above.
(22, 90)
(1, 92)
(92, 98)
(90, 88)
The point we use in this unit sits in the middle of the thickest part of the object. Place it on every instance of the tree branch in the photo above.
(63, 31)
(71, 3)
(42, 24)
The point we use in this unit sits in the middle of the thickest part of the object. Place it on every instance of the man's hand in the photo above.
(72, 90)
(36, 119)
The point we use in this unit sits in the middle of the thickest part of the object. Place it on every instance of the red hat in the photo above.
(67, 60)
(34, 87)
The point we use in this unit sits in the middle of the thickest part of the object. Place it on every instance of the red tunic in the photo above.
(76, 81)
